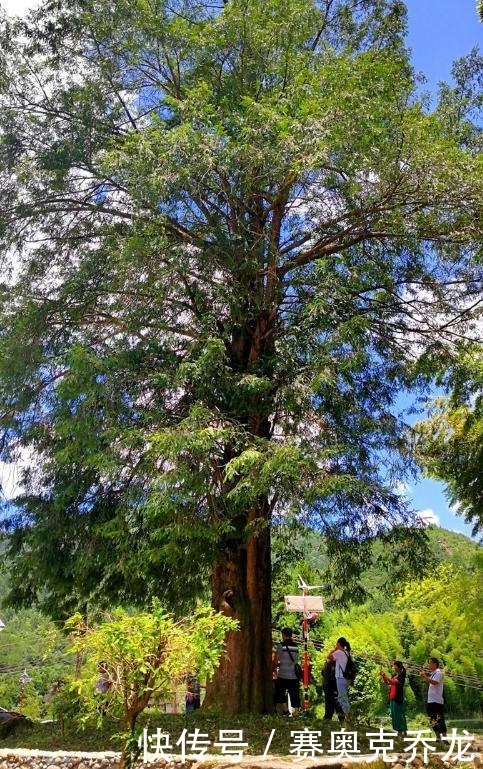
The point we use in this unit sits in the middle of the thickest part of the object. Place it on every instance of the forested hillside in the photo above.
(305, 553)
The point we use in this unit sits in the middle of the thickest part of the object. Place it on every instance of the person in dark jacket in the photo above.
(193, 693)
(329, 686)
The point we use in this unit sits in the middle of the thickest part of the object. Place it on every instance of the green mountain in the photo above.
(452, 547)
(304, 554)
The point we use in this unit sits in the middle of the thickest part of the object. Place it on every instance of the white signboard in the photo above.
(304, 603)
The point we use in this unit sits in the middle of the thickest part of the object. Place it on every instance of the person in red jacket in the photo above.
(396, 696)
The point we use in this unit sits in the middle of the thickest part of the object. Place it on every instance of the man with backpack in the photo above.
(344, 671)
(287, 681)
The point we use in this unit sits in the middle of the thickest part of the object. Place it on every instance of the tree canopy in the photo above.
(230, 234)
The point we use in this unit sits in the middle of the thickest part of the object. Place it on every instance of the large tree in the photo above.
(231, 231)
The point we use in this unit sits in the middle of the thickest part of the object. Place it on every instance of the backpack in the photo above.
(350, 671)
(297, 668)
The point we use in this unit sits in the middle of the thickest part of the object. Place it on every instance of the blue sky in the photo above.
(440, 31)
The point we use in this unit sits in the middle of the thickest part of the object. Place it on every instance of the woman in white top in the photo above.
(340, 654)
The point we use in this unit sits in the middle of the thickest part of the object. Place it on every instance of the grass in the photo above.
(256, 731)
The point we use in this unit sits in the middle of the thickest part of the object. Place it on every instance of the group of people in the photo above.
(335, 685)
(434, 702)
(287, 678)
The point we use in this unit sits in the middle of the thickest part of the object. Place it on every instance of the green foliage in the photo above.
(450, 441)
(67, 706)
(364, 694)
(145, 654)
(142, 655)
(33, 642)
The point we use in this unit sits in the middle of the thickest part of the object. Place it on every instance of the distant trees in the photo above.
(436, 616)
(33, 642)
(450, 441)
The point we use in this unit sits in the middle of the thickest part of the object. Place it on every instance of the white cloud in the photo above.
(428, 517)
(402, 488)
(11, 473)
(10, 485)
(18, 7)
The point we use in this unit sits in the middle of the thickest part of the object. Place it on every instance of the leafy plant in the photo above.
(141, 655)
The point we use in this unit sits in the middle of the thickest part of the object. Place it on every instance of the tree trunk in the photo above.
(130, 750)
(241, 588)
(241, 577)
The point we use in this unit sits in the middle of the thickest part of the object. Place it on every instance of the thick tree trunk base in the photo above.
(241, 588)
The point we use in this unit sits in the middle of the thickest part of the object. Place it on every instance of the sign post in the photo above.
(309, 606)
(23, 680)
